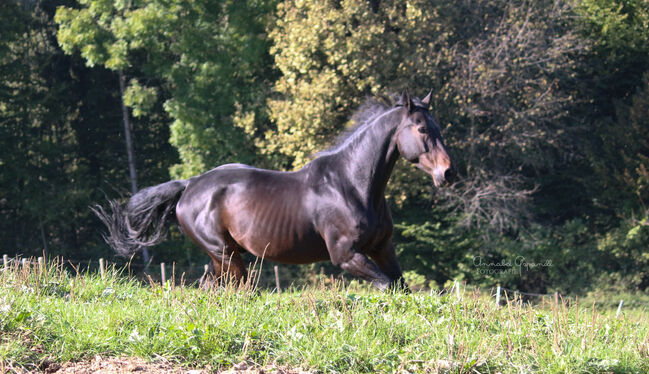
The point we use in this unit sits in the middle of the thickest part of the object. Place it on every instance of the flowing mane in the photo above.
(362, 118)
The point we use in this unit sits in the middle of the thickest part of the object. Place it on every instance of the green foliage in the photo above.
(630, 139)
(208, 57)
(625, 252)
(331, 55)
(619, 26)
(140, 99)
(544, 105)
(494, 67)
(559, 258)
(540, 259)
(614, 74)
(430, 243)
(60, 143)
(624, 168)
(42, 176)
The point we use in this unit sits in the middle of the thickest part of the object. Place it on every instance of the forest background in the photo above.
(543, 104)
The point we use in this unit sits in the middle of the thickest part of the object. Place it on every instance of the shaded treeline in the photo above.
(544, 105)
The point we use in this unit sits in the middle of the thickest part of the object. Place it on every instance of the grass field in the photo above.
(54, 315)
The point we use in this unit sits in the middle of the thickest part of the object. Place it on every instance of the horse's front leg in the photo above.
(361, 266)
(386, 259)
(343, 254)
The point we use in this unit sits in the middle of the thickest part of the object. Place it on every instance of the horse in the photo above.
(332, 209)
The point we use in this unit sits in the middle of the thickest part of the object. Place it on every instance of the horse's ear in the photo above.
(405, 100)
(427, 99)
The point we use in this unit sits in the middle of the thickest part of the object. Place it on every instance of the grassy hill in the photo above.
(51, 315)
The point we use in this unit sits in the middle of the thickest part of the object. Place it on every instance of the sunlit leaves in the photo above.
(502, 75)
(202, 56)
(139, 98)
(332, 55)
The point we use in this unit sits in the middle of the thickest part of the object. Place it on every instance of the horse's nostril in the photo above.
(449, 175)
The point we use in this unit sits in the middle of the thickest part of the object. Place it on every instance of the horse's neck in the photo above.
(370, 160)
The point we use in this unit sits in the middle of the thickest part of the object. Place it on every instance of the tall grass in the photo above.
(52, 314)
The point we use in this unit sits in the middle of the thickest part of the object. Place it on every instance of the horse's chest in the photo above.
(373, 230)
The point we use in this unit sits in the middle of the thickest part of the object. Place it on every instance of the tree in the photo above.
(620, 53)
(58, 139)
(624, 245)
(613, 79)
(207, 59)
(43, 176)
(502, 75)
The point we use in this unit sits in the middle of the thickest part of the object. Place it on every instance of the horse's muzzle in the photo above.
(444, 177)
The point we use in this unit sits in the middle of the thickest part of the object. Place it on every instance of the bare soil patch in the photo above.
(136, 365)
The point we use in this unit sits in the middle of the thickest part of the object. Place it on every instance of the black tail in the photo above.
(142, 222)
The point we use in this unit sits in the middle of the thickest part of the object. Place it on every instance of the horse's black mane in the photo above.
(364, 115)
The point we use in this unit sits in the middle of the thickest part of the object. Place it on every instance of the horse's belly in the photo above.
(264, 212)
(290, 248)
(277, 228)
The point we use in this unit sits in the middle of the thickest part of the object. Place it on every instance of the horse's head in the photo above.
(419, 140)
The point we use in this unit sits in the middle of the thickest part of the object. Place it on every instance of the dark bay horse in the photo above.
(334, 208)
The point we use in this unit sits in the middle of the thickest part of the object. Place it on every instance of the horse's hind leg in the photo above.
(202, 223)
(226, 262)
(227, 265)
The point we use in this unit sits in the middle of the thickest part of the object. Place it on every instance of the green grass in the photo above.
(54, 315)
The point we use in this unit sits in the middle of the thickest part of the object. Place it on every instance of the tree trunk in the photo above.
(129, 150)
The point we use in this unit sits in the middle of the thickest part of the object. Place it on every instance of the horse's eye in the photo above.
(422, 129)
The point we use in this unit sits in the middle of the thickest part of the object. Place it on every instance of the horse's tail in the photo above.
(142, 221)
